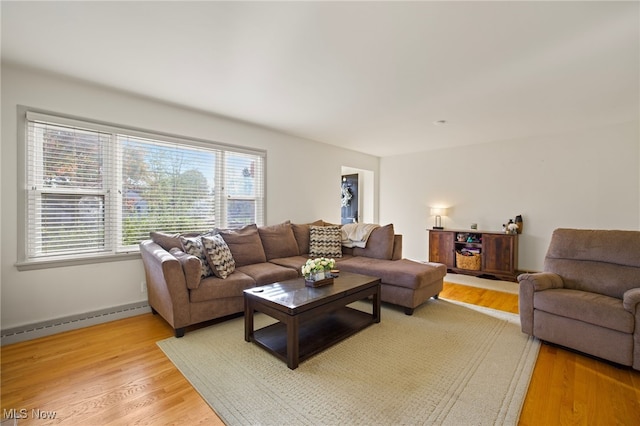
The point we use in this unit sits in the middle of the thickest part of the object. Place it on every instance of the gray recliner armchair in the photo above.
(588, 296)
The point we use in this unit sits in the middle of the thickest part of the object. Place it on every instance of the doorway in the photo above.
(349, 199)
(362, 206)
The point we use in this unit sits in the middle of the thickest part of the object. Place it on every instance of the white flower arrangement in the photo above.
(512, 228)
(314, 266)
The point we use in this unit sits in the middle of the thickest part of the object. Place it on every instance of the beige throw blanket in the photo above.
(357, 234)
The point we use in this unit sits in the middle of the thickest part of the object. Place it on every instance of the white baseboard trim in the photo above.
(73, 322)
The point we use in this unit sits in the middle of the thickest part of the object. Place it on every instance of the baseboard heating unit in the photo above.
(47, 328)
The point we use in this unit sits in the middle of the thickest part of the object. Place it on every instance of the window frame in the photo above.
(115, 252)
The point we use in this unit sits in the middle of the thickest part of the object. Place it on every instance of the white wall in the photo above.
(587, 179)
(299, 188)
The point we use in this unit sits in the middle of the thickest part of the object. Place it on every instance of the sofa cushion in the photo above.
(302, 234)
(292, 262)
(267, 273)
(166, 241)
(278, 240)
(379, 245)
(193, 246)
(190, 266)
(592, 308)
(169, 241)
(325, 241)
(324, 223)
(610, 279)
(245, 245)
(218, 255)
(216, 288)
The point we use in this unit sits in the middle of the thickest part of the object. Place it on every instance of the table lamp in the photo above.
(438, 212)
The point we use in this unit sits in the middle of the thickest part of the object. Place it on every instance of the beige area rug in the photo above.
(448, 364)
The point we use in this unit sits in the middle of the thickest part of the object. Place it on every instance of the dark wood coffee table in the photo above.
(310, 319)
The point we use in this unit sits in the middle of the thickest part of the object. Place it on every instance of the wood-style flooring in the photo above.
(115, 374)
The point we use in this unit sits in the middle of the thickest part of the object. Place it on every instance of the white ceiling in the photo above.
(369, 76)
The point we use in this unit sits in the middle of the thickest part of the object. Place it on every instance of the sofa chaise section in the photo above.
(403, 282)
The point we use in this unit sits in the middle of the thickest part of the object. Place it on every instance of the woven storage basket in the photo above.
(468, 262)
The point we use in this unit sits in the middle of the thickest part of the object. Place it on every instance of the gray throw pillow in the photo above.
(193, 246)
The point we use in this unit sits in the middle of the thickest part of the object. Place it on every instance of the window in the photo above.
(95, 189)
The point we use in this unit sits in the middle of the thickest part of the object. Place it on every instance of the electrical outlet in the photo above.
(143, 286)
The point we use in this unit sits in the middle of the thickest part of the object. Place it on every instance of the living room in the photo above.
(577, 166)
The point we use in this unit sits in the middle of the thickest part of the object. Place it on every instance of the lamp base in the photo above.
(438, 227)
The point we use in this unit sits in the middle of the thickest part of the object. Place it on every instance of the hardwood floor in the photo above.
(115, 374)
(109, 374)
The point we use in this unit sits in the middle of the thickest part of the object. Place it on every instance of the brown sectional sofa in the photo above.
(268, 254)
(588, 296)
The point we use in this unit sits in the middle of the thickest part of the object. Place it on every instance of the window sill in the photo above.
(32, 265)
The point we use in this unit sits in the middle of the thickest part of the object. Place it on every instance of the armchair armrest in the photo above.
(528, 285)
(540, 281)
(631, 303)
(631, 300)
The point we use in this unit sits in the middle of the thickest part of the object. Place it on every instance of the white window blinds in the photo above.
(98, 189)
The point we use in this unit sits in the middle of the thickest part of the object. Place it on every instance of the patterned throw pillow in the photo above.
(193, 245)
(325, 241)
(219, 256)
(301, 232)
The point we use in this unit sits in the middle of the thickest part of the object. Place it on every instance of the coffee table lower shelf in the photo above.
(316, 333)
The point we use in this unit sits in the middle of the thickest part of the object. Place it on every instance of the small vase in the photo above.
(519, 223)
(317, 276)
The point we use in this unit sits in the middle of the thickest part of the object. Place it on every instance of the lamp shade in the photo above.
(438, 211)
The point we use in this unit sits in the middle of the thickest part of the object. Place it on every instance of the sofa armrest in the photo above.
(631, 300)
(191, 266)
(166, 284)
(528, 285)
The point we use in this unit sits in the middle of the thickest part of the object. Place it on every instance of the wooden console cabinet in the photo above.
(498, 251)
